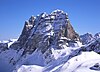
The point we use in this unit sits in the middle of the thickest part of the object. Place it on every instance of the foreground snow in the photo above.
(30, 68)
(80, 63)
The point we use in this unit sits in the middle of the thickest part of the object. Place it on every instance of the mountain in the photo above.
(49, 43)
(97, 35)
(86, 38)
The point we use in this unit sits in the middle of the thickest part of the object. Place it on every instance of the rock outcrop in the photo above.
(44, 30)
(70, 32)
(24, 35)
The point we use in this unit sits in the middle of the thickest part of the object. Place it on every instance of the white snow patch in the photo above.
(85, 60)
(30, 68)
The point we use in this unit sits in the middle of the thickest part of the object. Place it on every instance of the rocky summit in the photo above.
(49, 43)
(47, 28)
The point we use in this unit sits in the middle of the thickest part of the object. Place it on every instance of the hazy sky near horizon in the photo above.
(83, 14)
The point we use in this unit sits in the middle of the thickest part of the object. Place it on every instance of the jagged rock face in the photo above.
(44, 30)
(25, 32)
(70, 32)
(24, 35)
(86, 38)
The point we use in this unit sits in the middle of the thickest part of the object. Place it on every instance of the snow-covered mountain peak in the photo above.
(48, 43)
(47, 27)
(97, 35)
(87, 38)
(57, 11)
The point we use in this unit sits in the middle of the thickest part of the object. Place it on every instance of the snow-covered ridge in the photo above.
(88, 37)
(97, 35)
(9, 42)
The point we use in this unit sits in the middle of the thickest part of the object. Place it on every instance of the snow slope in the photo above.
(81, 63)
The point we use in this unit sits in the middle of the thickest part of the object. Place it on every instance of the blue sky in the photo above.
(83, 14)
